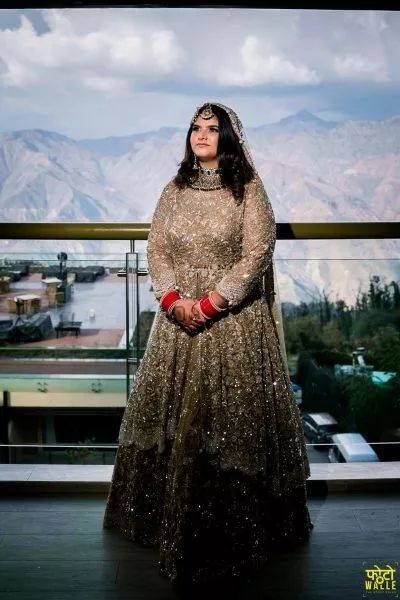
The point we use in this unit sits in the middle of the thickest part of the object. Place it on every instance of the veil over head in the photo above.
(236, 126)
(270, 281)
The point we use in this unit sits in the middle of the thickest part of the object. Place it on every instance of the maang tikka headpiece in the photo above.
(207, 112)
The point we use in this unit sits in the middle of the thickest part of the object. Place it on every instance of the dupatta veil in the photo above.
(270, 280)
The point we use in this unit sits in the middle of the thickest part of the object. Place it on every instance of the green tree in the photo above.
(333, 337)
(371, 320)
(384, 349)
(396, 294)
(343, 318)
(304, 333)
(374, 409)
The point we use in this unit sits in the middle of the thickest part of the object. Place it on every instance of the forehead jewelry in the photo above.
(206, 113)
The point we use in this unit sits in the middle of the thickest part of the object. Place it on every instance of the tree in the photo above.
(333, 336)
(396, 294)
(343, 317)
(384, 349)
(304, 333)
(374, 409)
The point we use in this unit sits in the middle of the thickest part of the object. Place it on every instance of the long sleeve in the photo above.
(159, 255)
(258, 243)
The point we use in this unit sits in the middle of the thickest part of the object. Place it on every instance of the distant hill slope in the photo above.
(313, 170)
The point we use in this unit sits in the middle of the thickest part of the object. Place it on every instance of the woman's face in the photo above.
(204, 140)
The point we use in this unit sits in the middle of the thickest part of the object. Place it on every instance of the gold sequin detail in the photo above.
(211, 464)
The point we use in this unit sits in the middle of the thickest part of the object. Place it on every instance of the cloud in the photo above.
(165, 51)
(105, 84)
(122, 53)
(301, 48)
(256, 69)
(354, 66)
(372, 21)
(108, 71)
(138, 48)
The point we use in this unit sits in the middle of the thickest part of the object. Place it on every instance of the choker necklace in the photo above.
(207, 179)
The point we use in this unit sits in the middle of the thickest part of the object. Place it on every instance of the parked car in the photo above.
(319, 427)
(351, 447)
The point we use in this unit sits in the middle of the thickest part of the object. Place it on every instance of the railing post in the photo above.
(4, 418)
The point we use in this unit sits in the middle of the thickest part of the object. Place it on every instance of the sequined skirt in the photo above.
(223, 525)
(212, 464)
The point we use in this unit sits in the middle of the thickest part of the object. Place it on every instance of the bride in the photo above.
(211, 466)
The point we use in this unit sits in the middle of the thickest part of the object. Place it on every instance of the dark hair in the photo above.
(236, 170)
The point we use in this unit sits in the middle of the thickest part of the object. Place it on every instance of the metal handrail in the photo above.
(140, 231)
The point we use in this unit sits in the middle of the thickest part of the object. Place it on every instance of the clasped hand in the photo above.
(188, 315)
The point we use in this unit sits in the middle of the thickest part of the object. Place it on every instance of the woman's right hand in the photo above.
(182, 312)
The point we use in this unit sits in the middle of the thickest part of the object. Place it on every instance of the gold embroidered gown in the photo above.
(211, 463)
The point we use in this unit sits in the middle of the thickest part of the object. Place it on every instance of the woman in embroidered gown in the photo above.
(211, 464)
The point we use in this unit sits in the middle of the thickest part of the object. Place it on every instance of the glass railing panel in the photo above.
(63, 354)
(342, 332)
(40, 413)
(148, 303)
(88, 452)
(341, 320)
(70, 302)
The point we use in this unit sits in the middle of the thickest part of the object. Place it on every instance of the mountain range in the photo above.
(313, 170)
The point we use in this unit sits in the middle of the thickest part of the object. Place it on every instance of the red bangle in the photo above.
(172, 306)
(168, 298)
(208, 308)
(219, 308)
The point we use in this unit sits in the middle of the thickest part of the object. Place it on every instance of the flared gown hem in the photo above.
(236, 539)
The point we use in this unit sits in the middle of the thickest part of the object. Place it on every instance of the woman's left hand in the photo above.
(196, 314)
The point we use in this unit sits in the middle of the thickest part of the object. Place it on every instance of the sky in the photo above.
(98, 72)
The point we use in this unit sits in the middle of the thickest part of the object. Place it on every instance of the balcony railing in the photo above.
(48, 391)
